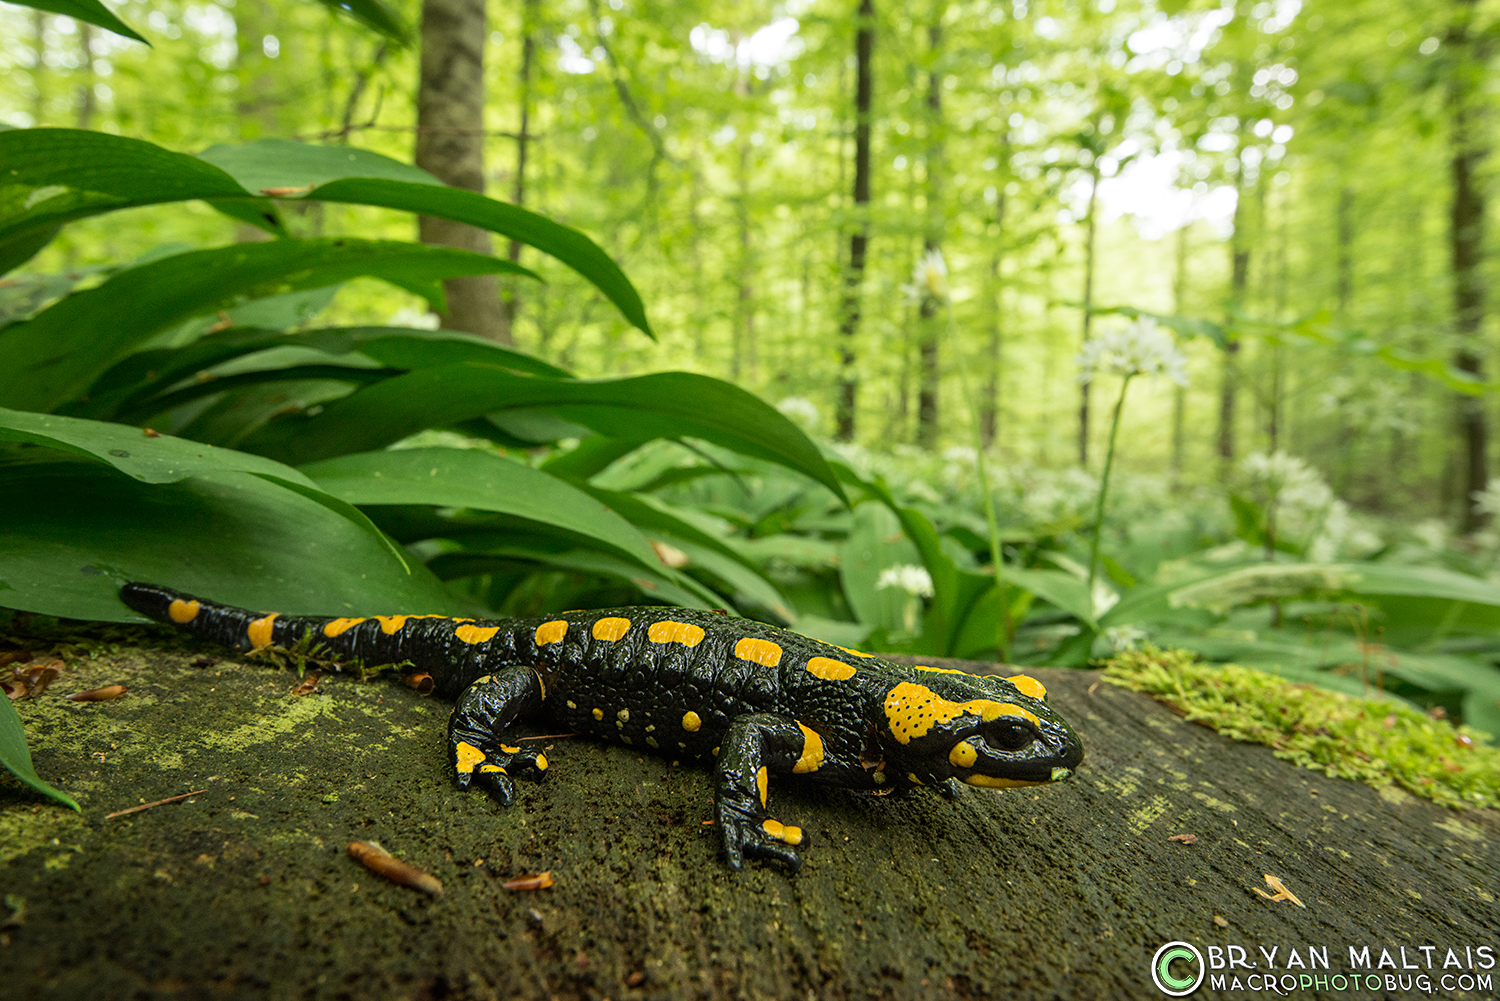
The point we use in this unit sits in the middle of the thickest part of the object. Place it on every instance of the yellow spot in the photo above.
(938, 670)
(392, 624)
(611, 629)
(260, 631)
(691, 720)
(760, 784)
(914, 709)
(963, 755)
(624, 715)
(475, 634)
(466, 757)
(572, 704)
(551, 632)
(541, 762)
(182, 611)
(598, 714)
(668, 631)
(339, 627)
(912, 778)
(993, 783)
(782, 832)
(812, 752)
(510, 750)
(856, 652)
(829, 669)
(491, 769)
(763, 652)
(1030, 687)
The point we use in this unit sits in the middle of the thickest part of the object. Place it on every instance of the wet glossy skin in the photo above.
(754, 699)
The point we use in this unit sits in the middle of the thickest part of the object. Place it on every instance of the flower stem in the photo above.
(1002, 622)
(1109, 462)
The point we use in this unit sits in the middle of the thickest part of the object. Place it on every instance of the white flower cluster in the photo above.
(802, 412)
(1488, 499)
(1142, 348)
(908, 577)
(929, 278)
(1306, 509)
(1122, 639)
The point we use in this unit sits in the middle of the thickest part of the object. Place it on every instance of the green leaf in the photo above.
(16, 756)
(57, 353)
(875, 543)
(468, 478)
(91, 11)
(566, 244)
(682, 591)
(231, 536)
(1062, 589)
(52, 176)
(373, 15)
(286, 166)
(359, 177)
(165, 459)
(664, 405)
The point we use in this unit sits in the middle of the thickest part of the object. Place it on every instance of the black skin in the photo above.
(695, 700)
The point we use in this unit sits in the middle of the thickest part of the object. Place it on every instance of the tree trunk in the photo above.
(38, 68)
(1345, 248)
(1088, 303)
(744, 360)
(86, 106)
(864, 45)
(928, 362)
(1239, 280)
(450, 146)
(989, 414)
(510, 304)
(1179, 393)
(1469, 147)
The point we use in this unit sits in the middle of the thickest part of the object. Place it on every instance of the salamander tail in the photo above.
(223, 624)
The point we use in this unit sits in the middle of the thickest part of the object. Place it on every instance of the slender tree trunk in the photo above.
(1345, 248)
(86, 106)
(510, 302)
(1179, 393)
(1088, 302)
(745, 360)
(38, 68)
(928, 362)
(864, 45)
(1469, 144)
(989, 413)
(450, 146)
(1239, 280)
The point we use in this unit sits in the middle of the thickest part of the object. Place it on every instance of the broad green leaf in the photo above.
(61, 350)
(52, 176)
(467, 478)
(373, 14)
(165, 459)
(16, 756)
(57, 175)
(91, 11)
(684, 592)
(664, 405)
(144, 373)
(875, 544)
(359, 177)
(232, 537)
(566, 244)
(293, 168)
(1057, 587)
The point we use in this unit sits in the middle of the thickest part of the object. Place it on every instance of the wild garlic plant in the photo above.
(1142, 348)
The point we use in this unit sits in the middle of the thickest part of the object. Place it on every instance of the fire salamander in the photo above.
(758, 700)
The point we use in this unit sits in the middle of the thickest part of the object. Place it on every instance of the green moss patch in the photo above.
(1380, 743)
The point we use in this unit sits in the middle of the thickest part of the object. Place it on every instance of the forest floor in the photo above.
(1067, 891)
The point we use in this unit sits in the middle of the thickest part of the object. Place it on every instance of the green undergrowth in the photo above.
(1377, 742)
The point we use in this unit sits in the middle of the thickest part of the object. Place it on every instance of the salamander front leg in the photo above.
(754, 747)
(475, 747)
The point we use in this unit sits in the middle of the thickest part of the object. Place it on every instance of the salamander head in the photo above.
(984, 731)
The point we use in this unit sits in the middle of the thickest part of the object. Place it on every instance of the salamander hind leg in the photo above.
(754, 748)
(479, 753)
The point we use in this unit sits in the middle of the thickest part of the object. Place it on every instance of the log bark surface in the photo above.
(246, 890)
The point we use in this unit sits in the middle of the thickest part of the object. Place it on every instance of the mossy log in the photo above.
(246, 889)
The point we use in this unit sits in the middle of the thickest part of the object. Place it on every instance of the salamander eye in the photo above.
(1010, 736)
